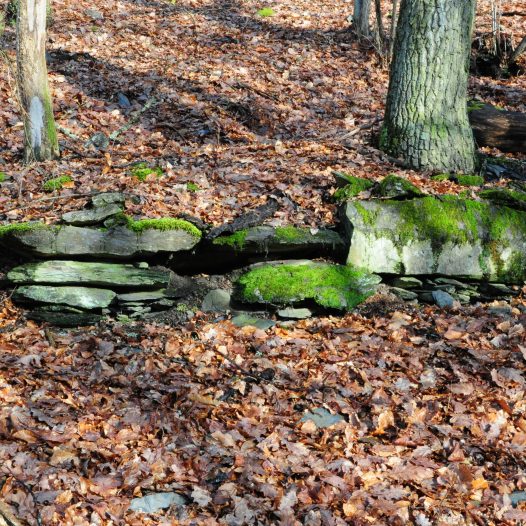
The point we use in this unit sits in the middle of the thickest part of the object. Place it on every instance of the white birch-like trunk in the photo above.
(41, 141)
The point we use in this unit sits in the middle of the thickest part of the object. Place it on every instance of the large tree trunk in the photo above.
(426, 122)
(505, 130)
(37, 110)
(360, 17)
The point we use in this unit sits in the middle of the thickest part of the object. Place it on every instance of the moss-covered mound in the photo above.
(351, 188)
(396, 187)
(503, 196)
(329, 286)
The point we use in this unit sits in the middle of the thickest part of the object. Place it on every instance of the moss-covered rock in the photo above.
(395, 187)
(504, 196)
(470, 180)
(350, 186)
(291, 283)
(128, 239)
(57, 183)
(448, 235)
(290, 240)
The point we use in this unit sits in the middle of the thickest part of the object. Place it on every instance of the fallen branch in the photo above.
(505, 130)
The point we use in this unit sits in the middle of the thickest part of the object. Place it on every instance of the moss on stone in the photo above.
(397, 187)
(504, 196)
(354, 186)
(290, 233)
(165, 223)
(3, 177)
(454, 220)
(330, 286)
(470, 180)
(141, 171)
(441, 177)
(56, 183)
(235, 240)
(21, 227)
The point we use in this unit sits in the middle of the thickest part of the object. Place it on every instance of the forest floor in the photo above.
(432, 428)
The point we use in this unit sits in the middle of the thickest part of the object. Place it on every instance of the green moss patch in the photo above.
(235, 240)
(475, 105)
(330, 286)
(470, 180)
(141, 171)
(52, 185)
(166, 223)
(354, 186)
(192, 187)
(397, 188)
(266, 12)
(506, 197)
(21, 227)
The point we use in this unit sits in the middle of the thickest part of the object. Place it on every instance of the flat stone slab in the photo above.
(449, 236)
(118, 242)
(89, 273)
(281, 240)
(80, 297)
(91, 216)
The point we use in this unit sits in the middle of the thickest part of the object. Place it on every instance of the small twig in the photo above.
(49, 337)
(67, 132)
(514, 13)
(134, 120)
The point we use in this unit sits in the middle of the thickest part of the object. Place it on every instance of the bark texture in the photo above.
(37, 110)
(426, 122)
(505, 130)
(362, 10)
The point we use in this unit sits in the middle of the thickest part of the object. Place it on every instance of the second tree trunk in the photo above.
(426, 122)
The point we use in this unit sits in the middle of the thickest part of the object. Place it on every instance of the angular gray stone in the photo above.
(81, 297)
(216, 300)
(443, 299)
(404, 294)
(406, 282)
(118, 242)
(156, 501)
(451, 237)
(322, 418)
(108, 198)
(91, 216)
(243, 320)
(149, 295)
(88, 273)
(295, 314)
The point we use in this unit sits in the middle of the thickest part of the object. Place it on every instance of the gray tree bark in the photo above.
(426, 122)
(360, 17)
(41, 141)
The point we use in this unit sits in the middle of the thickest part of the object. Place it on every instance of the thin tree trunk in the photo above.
(394, 21)
(362, 10)
(41, 141)
(518, 51)
(426, 122)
